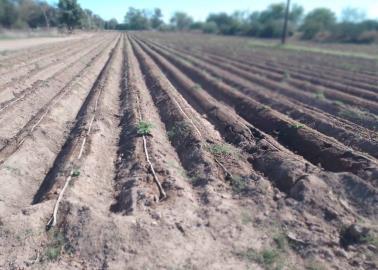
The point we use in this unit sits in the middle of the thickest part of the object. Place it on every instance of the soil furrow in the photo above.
(68, 159)
(41, 56)
(352, 114)
(302, 71)
(194, 139)
(350, 135)
(24, 170)
(27, 110)
(16, 89)
(312, 145)
(282, 167)
(24, 77)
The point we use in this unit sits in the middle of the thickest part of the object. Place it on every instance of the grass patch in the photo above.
(371, 239)
(338, 103)
(320, 95)
(297, 126)
(196, 87)
(220, 149)
(144, 128)
(351, 112)
(75, 173)
(315, 265)
(280, 240)
(55, 245)
(270, 259)
(299, 48)
(238, 184)
(180, 129)
(286, 76)
(246, 218)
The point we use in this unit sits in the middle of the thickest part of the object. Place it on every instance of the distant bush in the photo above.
(321, 25)
(318, 20)
(23, 14)
(210, 28)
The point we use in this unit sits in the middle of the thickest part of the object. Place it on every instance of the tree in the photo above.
(111, 24)
(350, 14)
(71, 13)
(268, 23)
(8, 13)
(210, 28)
(136, 19)
(45, 11)
(296, 14)
(227, 25)
(156, 20)
(318, 20)
(284, 30)
(272, 13)
(33, 13)
(181, 20)
(87, 20)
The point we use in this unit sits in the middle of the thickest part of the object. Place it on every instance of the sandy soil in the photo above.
(23, 43)
(164, 151)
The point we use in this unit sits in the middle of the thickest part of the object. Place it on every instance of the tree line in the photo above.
(320, 24)
(22, 14)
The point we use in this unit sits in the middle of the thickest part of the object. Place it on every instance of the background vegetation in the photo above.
(320, 24)
(23, 14)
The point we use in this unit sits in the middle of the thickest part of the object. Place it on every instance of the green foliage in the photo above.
(210, 28)
(137, 19)
(33, 14)
(238, 184)
(268, 258)
(246, 218)
(371, 239)
(266, 24)
(281, 241)
(350, 14)
(181, 21)
(226, 24)
(156, 20)
(75, 173)
(196, 26)
(55, 245)
(220, 149)
(180, 129)
(297, 126)
(111, 24)
(24, 14)
(196, 87)
(71, 14)
(314, 265)
(353, 32)
(142, 19)
(144, 128)
(320, 95)
(318, 20)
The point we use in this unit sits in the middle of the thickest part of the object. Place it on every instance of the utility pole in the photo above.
(284, 30)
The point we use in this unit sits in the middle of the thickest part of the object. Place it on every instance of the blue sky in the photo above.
(199, 9)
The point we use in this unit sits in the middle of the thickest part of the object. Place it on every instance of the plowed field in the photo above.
(180, 151)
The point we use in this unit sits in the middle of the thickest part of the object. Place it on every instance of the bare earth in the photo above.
(23, 43)
(251, 157)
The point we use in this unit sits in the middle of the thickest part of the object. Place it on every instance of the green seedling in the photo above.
(75, 173)
(220, 149)
(320, 95)
(55, 246)
(144, 128)
(298, 126)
